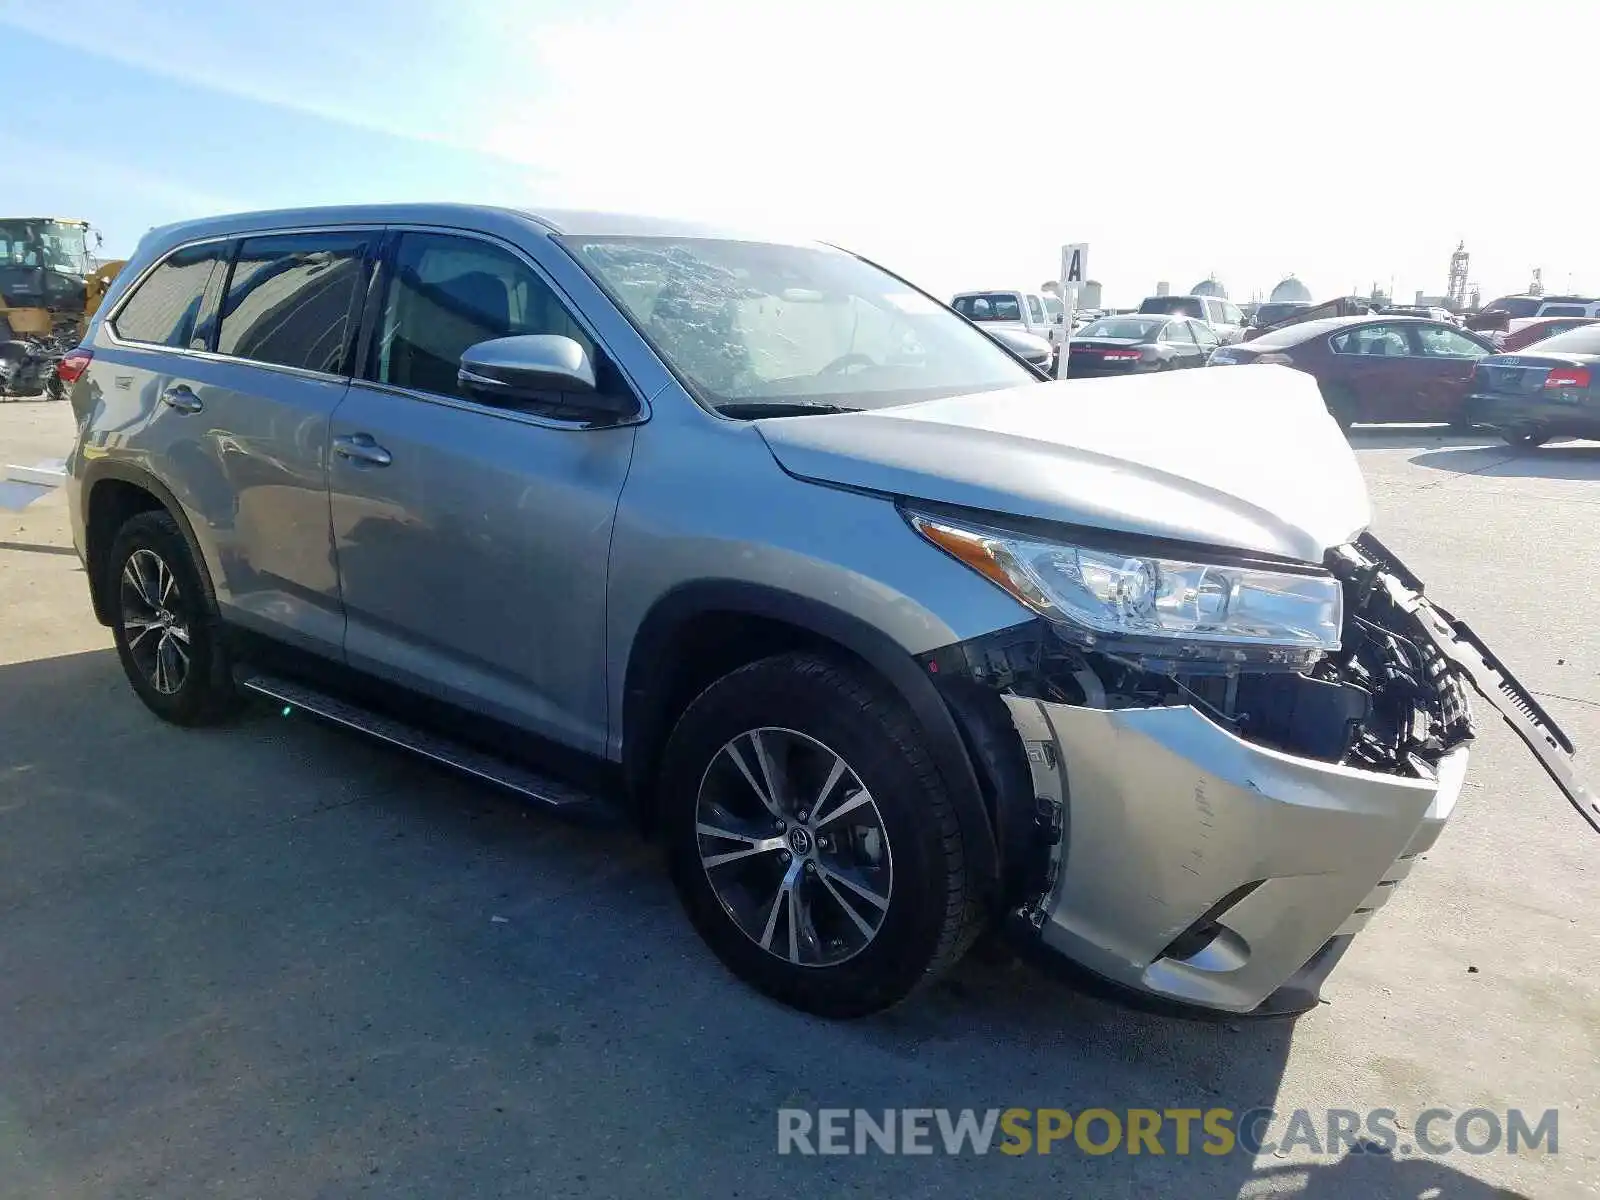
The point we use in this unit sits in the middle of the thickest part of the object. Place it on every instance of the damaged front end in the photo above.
(1213, 834)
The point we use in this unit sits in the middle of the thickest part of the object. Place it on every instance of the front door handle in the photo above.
(181, 398)
(359, 447)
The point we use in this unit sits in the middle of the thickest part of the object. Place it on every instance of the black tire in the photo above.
(930, 915)
(155, 590)
(1341, 404)
(1524, 439)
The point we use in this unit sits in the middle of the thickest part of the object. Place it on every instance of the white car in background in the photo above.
(1011, 310)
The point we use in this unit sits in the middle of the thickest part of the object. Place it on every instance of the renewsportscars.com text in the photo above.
(1176, 1131)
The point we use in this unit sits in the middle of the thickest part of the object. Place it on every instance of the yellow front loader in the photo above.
(50, 285)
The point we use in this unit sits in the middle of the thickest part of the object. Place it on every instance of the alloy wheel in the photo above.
(153, 621)
(794, 847)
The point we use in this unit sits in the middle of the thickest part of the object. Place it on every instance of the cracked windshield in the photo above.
(757, 330)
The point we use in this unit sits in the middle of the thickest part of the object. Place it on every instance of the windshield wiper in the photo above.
(750, 410)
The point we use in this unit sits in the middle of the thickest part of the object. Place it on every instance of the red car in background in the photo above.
(1375, 368)
(1525, 333)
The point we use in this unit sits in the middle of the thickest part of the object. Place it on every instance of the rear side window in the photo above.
(1563, 310)
(289, 300)
(162, 309)
(1177, 332)
(1035, 310)
(990, 306)
(1177, 306)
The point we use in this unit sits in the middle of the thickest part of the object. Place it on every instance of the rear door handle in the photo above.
(359, 447)
(181, 398)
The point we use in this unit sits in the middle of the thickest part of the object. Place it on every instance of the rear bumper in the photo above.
(1099, 370)
(1509, 411)
(1202, 870)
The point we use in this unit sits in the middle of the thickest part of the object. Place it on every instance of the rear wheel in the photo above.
(167, 636)
(811, 839)
(1524, 439)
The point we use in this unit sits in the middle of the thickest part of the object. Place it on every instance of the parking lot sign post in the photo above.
(1074, 265)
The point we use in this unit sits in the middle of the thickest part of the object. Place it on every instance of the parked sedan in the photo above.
(1035, 351)
(1549, 390)
(1134, 344)
(1525, 333)
(1375, 368)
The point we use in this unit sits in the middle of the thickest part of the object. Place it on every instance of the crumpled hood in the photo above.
(1245, 457)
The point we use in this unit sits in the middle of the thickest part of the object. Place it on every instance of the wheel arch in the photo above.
(698, 632)
(113, 492)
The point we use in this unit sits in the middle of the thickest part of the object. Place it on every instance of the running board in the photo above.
(453, 754)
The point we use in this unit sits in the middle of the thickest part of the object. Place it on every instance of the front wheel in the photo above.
(811, 839)
(1341, 404)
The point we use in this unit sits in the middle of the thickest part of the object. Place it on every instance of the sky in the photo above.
(960, 144)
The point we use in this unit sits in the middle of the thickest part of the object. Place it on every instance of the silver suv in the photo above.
(889, 642)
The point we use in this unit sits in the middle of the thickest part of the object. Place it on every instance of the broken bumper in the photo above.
(1198, 868)
(1222, 860)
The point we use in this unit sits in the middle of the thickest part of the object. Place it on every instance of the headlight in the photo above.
(1221, 358)
(1214, 612)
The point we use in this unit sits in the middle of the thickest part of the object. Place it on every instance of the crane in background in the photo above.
(1456, 291)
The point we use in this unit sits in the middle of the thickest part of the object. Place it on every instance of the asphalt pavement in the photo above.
(277, 960)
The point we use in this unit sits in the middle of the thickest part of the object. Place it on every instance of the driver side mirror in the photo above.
(538, 369)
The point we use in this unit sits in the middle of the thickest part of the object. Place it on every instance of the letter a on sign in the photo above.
(1074, 262)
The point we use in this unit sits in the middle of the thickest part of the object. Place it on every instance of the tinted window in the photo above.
(1383, 341)
(1035, 310)
(1269, 314)
(162, 309)
(989, 306)
(289, 299)
(1517, 306)
(447, 294)
(1178, 333)
(1541, 330)
(1583, 340)
(1439, 342)
(1563, 310)
(1185, 306)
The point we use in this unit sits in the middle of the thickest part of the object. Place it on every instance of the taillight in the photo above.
(1121, 354)
(1565, 377)
(73, 364)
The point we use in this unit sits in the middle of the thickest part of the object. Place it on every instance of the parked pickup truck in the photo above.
(1025, 311)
